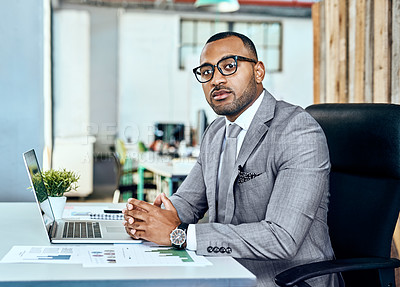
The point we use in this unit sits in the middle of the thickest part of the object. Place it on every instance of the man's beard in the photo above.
(238, 104)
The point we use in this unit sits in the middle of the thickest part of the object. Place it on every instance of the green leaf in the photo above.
(58, 182)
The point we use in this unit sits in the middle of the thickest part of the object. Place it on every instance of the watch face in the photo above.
(178, 237)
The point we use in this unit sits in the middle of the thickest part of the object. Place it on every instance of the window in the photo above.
(267, 36)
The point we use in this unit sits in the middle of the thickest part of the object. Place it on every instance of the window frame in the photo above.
(265, 46)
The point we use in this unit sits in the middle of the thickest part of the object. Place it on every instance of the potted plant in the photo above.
(57, 183)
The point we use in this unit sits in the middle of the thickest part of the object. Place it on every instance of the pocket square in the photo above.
(246, 176)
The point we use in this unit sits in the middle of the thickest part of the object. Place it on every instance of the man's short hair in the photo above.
(246, 41)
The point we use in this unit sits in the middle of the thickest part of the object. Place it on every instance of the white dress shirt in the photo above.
(244, 121)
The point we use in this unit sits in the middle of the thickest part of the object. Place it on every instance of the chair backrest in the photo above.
(120, 150)
(364, 147)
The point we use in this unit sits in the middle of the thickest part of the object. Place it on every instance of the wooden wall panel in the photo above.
(332, 50)
(343, 75)
(316, 16)
(396, 52)
(358, 56)
(359, 66)
(322, 70)
(369, 52)
(382, 55)
(352, 17)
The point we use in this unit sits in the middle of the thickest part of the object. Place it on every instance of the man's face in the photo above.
(229, 95)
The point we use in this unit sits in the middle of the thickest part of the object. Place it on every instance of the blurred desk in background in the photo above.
(168, 173)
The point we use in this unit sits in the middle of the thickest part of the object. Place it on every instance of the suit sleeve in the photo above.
(298, 200)
(190, 200)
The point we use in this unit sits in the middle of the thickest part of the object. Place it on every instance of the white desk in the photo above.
(21, 225)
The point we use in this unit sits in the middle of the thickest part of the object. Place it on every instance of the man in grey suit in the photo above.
(269, 210)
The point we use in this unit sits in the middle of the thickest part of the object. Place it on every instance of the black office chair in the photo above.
(364, 147)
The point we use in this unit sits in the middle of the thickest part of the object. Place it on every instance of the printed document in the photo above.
(117, 255)
(42, 254)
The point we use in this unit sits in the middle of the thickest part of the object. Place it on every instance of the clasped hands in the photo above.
(149, 221)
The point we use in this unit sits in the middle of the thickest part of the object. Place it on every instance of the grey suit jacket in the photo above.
(278, 198)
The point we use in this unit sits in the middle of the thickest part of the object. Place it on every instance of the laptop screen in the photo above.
(37, 184)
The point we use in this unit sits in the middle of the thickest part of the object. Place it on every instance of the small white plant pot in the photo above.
(58, 204)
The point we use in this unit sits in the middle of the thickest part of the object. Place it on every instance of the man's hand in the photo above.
(148, 221)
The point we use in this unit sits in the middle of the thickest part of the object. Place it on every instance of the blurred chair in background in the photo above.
(125, 170)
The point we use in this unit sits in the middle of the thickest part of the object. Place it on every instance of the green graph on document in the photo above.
(182, 254)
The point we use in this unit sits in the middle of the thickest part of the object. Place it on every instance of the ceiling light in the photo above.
(223, 6)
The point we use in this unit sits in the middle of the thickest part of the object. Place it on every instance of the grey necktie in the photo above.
(227, 166)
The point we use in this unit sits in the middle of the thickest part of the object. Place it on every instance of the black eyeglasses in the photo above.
(226, 66)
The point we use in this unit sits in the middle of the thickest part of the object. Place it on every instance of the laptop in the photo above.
(71, 231)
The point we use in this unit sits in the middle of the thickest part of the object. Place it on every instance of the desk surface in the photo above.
(21, 225)
(168, 169)
(165, 166)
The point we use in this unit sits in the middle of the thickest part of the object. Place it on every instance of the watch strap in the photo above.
(183, 226)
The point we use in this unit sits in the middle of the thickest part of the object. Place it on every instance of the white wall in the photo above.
(148, 64)
(295, 83)
(103, 76)
(22, 80)
(71, 73)
(152, 88)
(103, 71)
(73, 145)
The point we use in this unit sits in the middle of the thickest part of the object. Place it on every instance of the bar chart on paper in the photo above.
(42, 254)
(146, 254)
(169, 251)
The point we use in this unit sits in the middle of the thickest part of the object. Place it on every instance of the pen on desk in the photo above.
(112, 211)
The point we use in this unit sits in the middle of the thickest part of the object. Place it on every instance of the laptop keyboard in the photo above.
(76, 229)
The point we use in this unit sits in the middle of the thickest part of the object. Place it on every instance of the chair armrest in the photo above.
(293, 276)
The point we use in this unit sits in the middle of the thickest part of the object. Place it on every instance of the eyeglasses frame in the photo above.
(235, 57)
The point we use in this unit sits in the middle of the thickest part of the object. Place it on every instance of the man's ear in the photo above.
(259, 71)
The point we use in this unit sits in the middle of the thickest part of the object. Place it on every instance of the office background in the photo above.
(74, 77)
(83, 75)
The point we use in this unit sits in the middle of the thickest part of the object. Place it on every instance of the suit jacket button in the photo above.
(222, 250)
(228, 250)
(216, 249)
(209, 249)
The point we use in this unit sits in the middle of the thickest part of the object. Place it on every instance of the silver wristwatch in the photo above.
(178, 236)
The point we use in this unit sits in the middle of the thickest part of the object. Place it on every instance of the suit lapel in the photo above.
(258, 128)
(212, 172)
